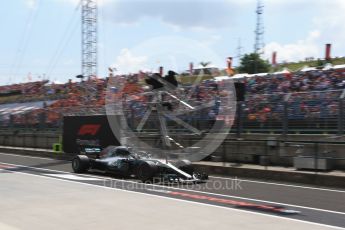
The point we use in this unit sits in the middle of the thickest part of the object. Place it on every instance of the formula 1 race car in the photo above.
(121, 161)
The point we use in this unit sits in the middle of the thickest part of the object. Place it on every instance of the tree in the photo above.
(253, 63)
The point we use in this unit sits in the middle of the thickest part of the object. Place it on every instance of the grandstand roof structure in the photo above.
(284, 71)
(307, 68)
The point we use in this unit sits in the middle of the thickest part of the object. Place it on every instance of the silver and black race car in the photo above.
(121, 161)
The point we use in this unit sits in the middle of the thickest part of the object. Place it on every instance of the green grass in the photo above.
(299, 65)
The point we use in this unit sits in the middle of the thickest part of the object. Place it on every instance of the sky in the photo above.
(41, 39)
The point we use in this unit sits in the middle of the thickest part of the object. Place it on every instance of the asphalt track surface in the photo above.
(314, 206)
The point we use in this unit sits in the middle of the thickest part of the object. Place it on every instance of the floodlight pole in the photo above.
(259, 30)
(89, 38)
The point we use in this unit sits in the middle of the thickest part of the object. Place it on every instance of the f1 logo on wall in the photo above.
(86, 131)
(89, 129)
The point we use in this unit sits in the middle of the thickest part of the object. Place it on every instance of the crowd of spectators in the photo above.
(317, 80)
(63, 98)
(312, 94)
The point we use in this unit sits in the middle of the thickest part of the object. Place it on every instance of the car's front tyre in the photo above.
(186, 166)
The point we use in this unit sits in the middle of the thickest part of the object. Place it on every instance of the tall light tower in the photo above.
(259, 31)
(89, 37)
(239, 51)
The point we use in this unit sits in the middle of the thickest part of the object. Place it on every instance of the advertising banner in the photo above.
(86, 131)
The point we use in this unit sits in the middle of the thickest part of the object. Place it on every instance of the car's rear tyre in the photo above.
(146, 171)
(185, 166)
(80, 164)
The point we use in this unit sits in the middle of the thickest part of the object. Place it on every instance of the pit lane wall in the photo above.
(251, 148)
(29, 139)
(222, 169)
(278, 150)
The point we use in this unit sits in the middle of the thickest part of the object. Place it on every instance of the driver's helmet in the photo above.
(122, 150)
(143, 154)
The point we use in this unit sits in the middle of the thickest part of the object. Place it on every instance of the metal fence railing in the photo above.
(307, 112)
(319, 112)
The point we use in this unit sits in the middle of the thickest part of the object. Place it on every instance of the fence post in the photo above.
(286, 115)
(340, 117)
(26, 121)
(285, 119)
(224, 152)
(42, 120)
(239, 119)
(11, 123)
(265, 157)
(316, 156)
(341, 113)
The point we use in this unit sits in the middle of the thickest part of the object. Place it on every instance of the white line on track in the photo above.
(186, 201)
(190, 190)
(281, 184)
(70, 176)
(24, 156)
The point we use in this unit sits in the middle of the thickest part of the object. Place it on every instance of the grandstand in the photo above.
(282, 102)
